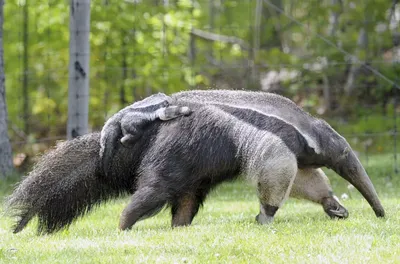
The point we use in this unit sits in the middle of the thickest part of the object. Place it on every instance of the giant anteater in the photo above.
(179, 161)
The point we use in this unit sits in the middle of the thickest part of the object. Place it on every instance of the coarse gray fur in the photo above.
(129, 122)
(326, 146)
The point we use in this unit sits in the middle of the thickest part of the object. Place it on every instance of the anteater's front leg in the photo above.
(274, 184)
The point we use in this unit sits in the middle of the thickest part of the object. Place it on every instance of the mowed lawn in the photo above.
(225, 231)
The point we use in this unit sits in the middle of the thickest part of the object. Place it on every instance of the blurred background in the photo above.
(338, 59)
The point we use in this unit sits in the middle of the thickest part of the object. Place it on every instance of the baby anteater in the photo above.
(128, 124)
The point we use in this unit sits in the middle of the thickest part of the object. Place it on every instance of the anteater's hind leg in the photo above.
(185, 207)
(145, 202)
(274, 184)
(313, 185)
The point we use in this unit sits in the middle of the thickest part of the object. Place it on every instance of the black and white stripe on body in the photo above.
(289, 134)
(266, 103)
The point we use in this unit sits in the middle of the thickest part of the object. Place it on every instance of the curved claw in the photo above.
(334, 208)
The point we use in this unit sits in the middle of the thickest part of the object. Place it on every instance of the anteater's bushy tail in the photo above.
(63, 186)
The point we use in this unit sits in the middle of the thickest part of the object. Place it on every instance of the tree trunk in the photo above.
(78, 90)
(25, 92)
(6, 165)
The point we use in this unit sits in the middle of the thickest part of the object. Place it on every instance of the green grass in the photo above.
(225, 231)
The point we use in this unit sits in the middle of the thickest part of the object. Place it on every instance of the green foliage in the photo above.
(136, 49)
(141, 47)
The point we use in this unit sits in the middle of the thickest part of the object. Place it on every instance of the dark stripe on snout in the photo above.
(292, 138)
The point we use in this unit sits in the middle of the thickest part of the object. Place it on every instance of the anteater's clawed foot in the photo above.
(334, 208)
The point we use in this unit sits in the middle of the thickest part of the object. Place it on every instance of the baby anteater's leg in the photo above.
(132, 125)
(313, 185)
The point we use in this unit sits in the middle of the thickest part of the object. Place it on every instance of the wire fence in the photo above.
(37, 71)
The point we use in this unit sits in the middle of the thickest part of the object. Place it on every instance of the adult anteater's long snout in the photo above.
(351, 169)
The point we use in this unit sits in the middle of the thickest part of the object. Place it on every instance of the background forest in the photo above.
(338, 59)
(301, 49)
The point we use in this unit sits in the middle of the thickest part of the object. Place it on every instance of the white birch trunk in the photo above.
(6, 165)
(78, 90)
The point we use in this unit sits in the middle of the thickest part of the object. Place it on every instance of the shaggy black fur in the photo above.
(66, 183)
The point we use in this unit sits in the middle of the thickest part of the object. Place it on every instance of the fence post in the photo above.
(79, 52)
